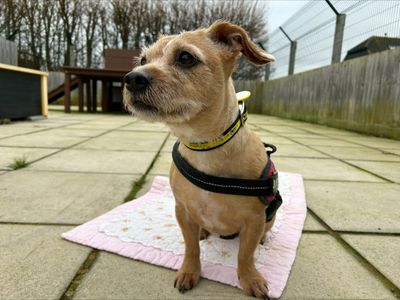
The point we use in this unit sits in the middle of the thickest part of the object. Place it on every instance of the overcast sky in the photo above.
(281, 10)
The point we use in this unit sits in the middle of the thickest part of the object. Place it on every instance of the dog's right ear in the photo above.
(237, 40)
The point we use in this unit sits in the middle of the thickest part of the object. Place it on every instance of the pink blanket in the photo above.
(146, 229)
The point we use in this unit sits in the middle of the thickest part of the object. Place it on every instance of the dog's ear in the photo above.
(237, 40)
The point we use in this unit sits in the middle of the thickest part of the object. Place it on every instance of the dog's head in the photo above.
(182, 75)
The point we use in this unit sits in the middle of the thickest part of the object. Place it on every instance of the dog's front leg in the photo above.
(189, 273)
(251, 280)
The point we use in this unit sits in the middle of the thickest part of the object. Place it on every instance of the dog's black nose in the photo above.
(137, 81)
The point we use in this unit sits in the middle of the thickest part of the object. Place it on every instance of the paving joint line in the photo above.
(92, 257)
(38, 223)
(79, 172)
(358, 256)
(333, 157)
(374, 233)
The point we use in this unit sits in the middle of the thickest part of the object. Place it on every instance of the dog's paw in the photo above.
(203, 234)
(185, 281)
(255, 285)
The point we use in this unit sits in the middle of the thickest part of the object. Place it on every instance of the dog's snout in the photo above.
(137, 81)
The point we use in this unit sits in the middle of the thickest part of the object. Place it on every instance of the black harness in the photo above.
(266, 187)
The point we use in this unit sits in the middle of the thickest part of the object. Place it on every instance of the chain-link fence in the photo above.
(314, 31)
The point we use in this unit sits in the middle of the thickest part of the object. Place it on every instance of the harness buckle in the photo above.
(275, 182)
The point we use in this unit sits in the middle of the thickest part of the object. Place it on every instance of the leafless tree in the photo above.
(68, 32)
(70, 12)
(123, 15)
(10, 19)
(92, 8)
(34, 25)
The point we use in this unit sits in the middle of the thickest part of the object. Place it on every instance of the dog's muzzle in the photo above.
(137, 81)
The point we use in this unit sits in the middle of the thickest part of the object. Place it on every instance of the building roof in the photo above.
(372, 45)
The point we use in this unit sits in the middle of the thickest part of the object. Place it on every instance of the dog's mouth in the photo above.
(142, 106)
(154, 108)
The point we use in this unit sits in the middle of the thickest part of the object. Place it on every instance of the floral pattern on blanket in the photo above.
(154, 224)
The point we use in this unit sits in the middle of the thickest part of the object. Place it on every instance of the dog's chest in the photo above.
(209, 212)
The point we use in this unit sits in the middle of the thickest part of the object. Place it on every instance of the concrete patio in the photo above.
(82, 165)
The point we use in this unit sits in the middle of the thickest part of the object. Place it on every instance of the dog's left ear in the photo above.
(237, 40)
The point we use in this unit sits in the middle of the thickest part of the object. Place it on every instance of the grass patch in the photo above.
(19, 163)
(135, 188)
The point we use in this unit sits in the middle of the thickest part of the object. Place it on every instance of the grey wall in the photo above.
(362, 94)
(8, 52)
(54, 80)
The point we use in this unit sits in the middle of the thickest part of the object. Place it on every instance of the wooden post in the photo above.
(88, 96)
(44, 95)
(110, 95)
(104, 96)
(67, 93)
(94, 95)
(80, 93)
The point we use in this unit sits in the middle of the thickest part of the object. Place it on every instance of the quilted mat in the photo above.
(146, 229)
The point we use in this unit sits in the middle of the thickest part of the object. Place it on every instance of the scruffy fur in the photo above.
(198, 104)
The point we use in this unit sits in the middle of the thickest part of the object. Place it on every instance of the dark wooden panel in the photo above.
(119, 59)
(19, 95)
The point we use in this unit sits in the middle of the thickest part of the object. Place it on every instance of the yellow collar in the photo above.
(227, 134)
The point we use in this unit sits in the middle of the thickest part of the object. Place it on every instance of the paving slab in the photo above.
(325, 169)
(375, 142)
(323, 141)
(42, 140)
(324, 270)
(9, 154)
(116, 277)
(295, 150)
(362, 153)
(89, 125)
(146, 126)
(35, 262)
(382, 251)
(327, 131)
(305, 135)
(97, 161)
(356, 206)
(57, 197)
(282, 129)
(162, 164)
(169, 144)
(126, 140)
(393, 151)
(263, 119)
(11, 130)
(271, 138)
(67, 132)
(389, 170)
(121, 121)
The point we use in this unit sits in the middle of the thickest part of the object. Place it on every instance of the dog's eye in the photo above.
(186, 59)
(143, 61)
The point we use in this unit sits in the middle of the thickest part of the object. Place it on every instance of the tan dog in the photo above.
(185, 81)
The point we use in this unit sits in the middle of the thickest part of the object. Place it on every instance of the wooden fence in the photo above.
(8, 52)
(362, 95)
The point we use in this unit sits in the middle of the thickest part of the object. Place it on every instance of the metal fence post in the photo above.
(293, 47)
(339, 31)
(338, 39)
(292, 57)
